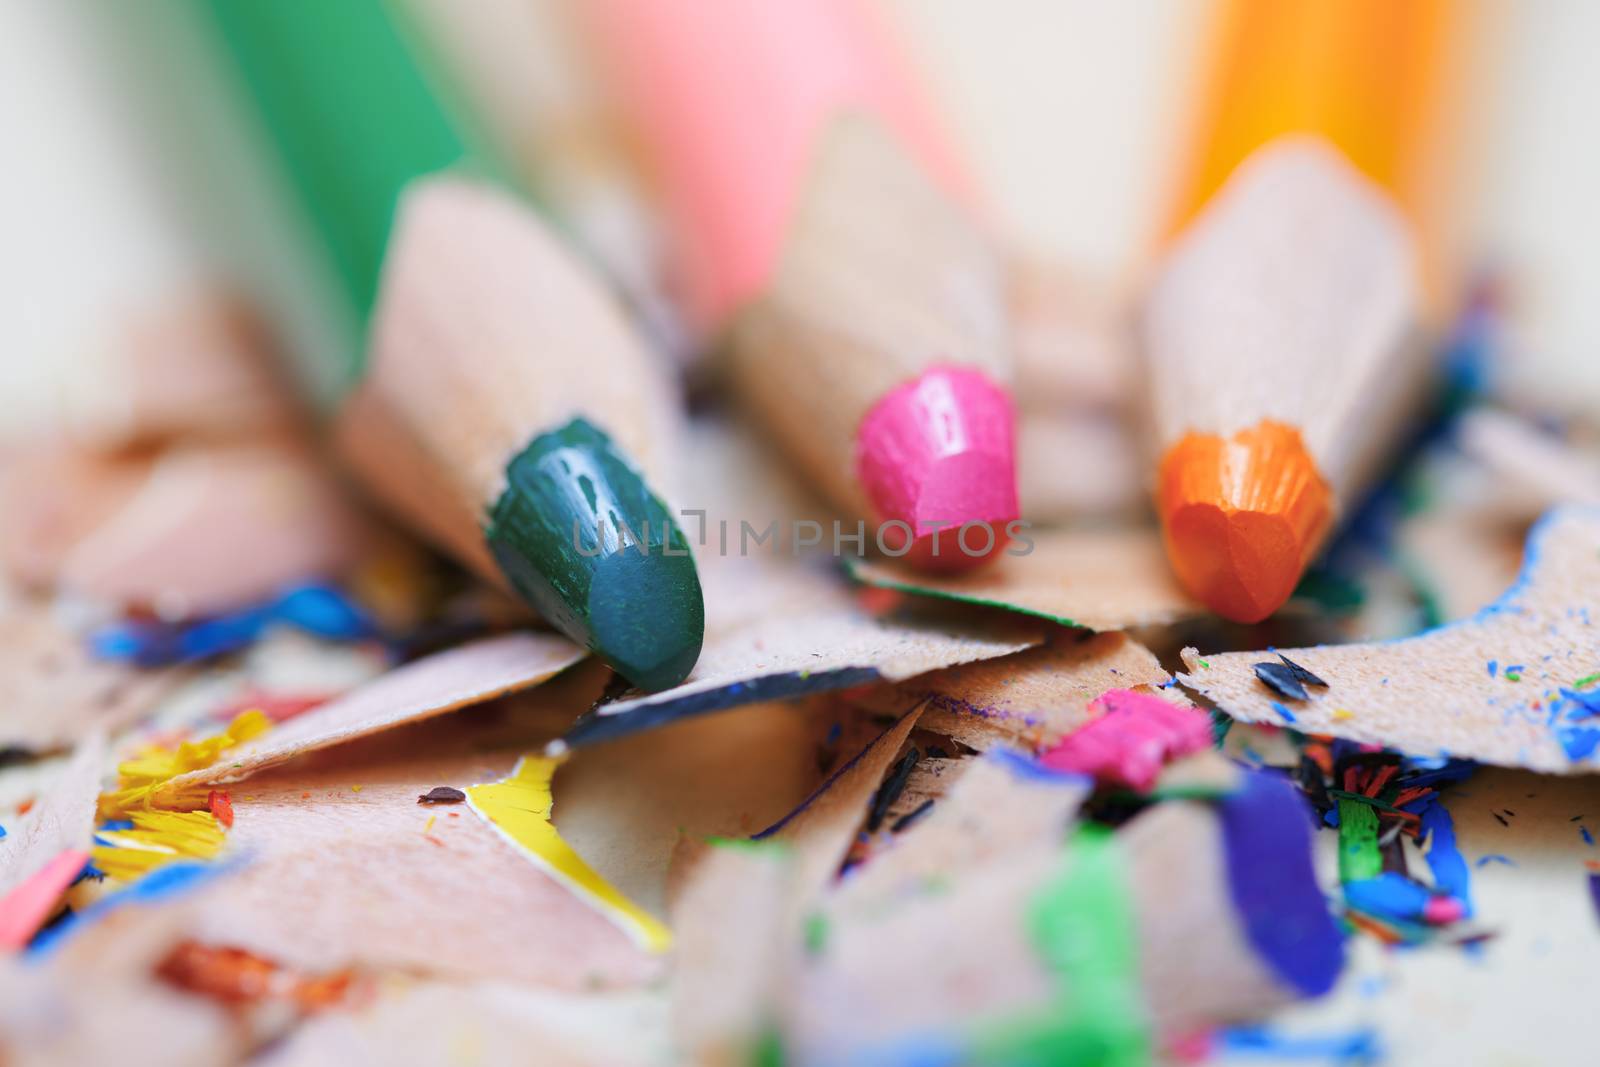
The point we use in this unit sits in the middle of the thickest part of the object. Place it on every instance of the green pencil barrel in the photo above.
(351, 112)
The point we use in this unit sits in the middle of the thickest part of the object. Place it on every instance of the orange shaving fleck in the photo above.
(221, 805)
(237, 977)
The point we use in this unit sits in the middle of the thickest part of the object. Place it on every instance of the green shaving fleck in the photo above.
(1205, 665)
(1082, 926)
(1425, 589)
(1197, 791)
(1513, 676)
(1359, 858)
(748, 844)
(816, 932)
(1221, 723)
(1586, 681)
(768, 1050)
(1334, 593)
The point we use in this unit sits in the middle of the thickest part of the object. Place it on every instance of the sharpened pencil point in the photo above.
(937, 454)
(1242, 516)
(579, 534)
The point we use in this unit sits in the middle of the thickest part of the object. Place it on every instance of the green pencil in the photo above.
(500, 401)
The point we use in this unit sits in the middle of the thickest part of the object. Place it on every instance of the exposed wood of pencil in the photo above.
(1293, 297)
(518, 62)
(881, 278)
(487, 332)
(1283, 362)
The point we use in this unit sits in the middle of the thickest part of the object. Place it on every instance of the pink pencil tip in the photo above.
(937, 458)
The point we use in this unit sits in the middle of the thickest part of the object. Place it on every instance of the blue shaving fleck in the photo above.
(163, 883)
(1390, 895)
(1494, 857)
(1440, 771)
(1494, 667)
(922, 1050)
(1288, 716)
(1571, 714)
(1588, 838)
(1445, 861)
(1030, 769)
(1351, 1047)
(1372, 985)
(314, 608)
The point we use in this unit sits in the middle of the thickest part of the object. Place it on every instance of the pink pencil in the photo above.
(822, 231)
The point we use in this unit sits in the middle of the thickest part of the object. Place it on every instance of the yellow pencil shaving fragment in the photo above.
(355, 789)
(429, 824)
(157, 838)
(139, 778)
(1343, 713)
(519, 807)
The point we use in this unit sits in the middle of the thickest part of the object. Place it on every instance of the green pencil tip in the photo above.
(583, 539)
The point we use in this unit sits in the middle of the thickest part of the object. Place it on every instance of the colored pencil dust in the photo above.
(503, 403)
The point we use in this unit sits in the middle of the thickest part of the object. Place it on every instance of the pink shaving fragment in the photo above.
(27, 906)
(1130, 739)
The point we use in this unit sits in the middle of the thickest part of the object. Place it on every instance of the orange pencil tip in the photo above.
(1242, 516)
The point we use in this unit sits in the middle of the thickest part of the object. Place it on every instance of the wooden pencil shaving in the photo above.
(626, 804)
(1000, 805)
(1030, 699)
(1529, 465)
(1510, 685)
(448, 897)
(57, 693)
(459, 677)
(737, 931)
(47, 847)
(781, 628)
(168, 530)
(1098, 579)
(822, 828)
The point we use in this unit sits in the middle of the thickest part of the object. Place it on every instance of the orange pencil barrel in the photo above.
(1370, 76)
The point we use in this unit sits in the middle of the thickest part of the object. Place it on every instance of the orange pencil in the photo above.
(1281, 329)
